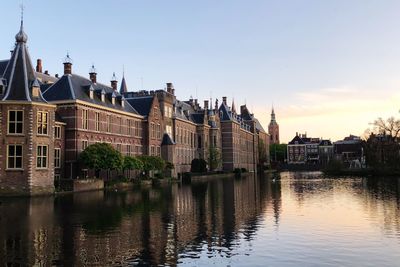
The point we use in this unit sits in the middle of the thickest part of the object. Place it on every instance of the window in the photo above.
(128, 150)
(57, 132)
(97, 121)
(168, 129)
(57, 158)
(15, 121)
(119, 147)
(84, 144)
(85, 119)
(120, 125)
(41, 158)
(14, 157)
(42, 121)
(108, 123)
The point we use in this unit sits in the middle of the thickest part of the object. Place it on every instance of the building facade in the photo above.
(47, 121)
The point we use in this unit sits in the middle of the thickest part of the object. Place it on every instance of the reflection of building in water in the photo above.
(150, 226)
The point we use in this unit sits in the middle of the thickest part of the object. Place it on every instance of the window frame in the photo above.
(44, 157)
(39, 125)
(15, 157)
(16, 122)
(57, 159)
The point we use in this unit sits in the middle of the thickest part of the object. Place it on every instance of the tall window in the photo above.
(120, 125)
(119, 147)
(57, 158)
(41, 158)
(15, 121)
(85, 119)
(42, 121)
(57, 132)
(97, 121)
(14, 157)
(84, 144)
(108, 123)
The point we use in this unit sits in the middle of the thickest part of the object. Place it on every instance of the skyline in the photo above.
(339, 56)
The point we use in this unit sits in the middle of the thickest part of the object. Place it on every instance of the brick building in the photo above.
(48, 121)
(273, 129)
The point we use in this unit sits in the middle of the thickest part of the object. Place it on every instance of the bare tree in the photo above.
(389, 127)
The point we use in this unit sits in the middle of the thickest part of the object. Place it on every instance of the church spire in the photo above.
(273, 119)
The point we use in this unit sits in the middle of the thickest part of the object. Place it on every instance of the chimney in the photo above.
(114, 82)
(39, 65)
(170, 88)
(224, 100)
(67, 65)
(93, 74)
(56, 75)
(46, 72)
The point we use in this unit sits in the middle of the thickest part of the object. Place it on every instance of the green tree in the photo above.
(278, 152)
(132, 163)
(214, 158)
(101, 156)
(152, 163)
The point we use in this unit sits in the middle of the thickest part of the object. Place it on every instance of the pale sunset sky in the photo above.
(328, 67)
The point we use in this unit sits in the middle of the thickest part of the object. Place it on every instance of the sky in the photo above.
(329, 68)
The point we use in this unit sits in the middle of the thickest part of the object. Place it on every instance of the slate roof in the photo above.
(184, 111)
(19, 73)
(142, 104)
(325, 143)
(167, 140)
(75, 87)
(123, 89)
(3, 65)
(298, 140)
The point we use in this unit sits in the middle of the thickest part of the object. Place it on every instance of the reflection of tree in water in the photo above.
(383, 195)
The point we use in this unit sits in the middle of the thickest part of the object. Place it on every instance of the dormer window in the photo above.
(123, 102)
(35, 88)
(91, 92)
(103, 97)
(113, 100)
(3, 84)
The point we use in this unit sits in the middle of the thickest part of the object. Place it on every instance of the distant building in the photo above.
(349, 149)
(303, 149)
(325, 151)
(273, 129)
(296, 151)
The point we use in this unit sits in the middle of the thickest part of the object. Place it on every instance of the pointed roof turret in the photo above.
(19, 72)
(233, 106)
(124, 88)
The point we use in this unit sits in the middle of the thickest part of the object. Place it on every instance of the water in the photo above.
(301, 220)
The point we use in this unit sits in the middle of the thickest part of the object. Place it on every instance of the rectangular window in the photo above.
(14, 157)
(108, 123)
(57, 132)
(57, 158)
(15, 121)
(85, 119)
(42, 122)
(97, 121)
(128, 150)
(119, 147)
(41, 158)
(120, 125)
(84, 144)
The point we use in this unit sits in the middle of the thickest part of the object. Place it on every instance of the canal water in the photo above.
(297, 219)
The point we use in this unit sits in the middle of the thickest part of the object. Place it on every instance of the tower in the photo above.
(273, 129)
